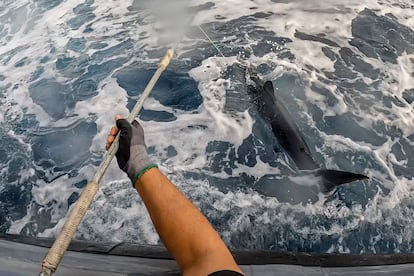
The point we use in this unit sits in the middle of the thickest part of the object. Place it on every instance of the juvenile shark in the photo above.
(272, 109)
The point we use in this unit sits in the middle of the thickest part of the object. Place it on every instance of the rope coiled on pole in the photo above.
(61, 244)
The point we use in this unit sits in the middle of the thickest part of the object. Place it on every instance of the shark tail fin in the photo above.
(333, 178)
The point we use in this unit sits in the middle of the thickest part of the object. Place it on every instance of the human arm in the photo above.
(187, 234)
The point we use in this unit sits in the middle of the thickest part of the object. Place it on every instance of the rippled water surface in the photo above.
(344, 69)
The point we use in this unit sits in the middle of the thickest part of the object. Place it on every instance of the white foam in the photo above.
(110, 101)
(117, 214)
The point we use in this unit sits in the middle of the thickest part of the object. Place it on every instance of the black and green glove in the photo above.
(132, 154)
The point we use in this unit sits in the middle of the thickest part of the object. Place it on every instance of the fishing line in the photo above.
(242, 62)
(61, 244)
(211, 41)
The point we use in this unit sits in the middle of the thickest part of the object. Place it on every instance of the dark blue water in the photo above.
(53, 124)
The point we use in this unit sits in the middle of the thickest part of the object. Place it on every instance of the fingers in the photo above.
(114, 131)
(111, 137)
(112, 134)
(125, 137)
(109, 141)
(121, 125)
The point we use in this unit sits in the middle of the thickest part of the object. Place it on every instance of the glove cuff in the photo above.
(142, 172)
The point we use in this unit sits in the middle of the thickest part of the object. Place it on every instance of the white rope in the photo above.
(59, 247)
(61, 244)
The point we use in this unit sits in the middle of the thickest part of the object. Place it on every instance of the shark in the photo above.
(274, 112)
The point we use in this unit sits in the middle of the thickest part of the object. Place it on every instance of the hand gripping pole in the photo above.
(59, 247)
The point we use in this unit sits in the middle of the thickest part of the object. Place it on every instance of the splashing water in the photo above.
(344, 70)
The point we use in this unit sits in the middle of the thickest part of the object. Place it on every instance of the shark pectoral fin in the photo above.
(333, 178)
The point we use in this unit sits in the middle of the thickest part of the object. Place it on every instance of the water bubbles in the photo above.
(69, 66)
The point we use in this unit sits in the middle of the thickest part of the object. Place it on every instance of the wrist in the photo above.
(142, 172)
(138, 160)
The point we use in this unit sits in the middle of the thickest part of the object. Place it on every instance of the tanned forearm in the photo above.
(186, 233)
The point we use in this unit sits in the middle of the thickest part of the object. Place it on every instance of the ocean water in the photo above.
(345, 70)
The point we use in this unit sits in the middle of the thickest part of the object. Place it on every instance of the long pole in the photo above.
(59, 247)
